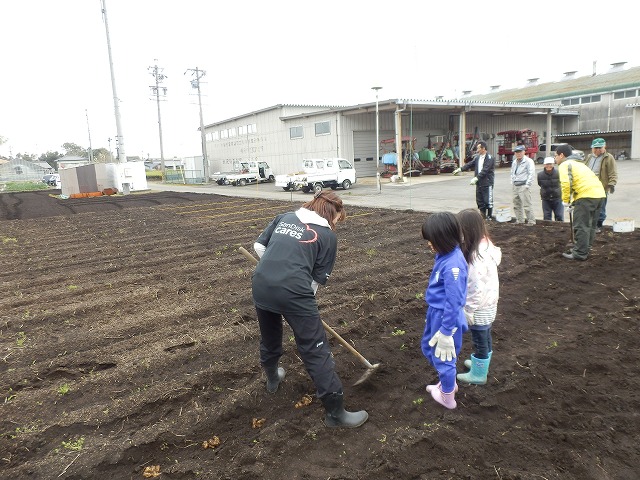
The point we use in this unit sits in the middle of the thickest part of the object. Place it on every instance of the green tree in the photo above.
(51, 158)
(73, 149)
(101, 155)
(30, 157)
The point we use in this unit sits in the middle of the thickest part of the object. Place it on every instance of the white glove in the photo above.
(473, 181)
(445, 348)
(457, 171)
(259, 248)
(568, 207)
(314, 286)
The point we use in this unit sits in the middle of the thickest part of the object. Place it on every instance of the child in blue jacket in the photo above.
(445, 296)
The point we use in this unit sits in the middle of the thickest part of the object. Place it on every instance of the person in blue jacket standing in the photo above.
(445, 296)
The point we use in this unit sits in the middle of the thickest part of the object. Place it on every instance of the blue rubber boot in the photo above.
(478, 373)
(467, 362)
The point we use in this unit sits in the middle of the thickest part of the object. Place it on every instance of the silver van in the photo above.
(542, 151)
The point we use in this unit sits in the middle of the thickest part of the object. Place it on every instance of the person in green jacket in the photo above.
(604, 166)
(582, 196)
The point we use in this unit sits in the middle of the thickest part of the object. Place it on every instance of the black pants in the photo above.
(553, 206)
(585, 220)
(312, 344)
(484, 199)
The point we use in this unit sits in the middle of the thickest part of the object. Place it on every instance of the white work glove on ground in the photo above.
(473, 181)
(457, 171)
(568, 207)
(445, 348)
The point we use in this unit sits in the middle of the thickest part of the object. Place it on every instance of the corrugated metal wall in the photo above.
(351, 136)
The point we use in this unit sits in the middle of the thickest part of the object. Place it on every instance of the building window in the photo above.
(591, 99)
(252, 128)
(232, 132)
(215, 135)
(296, 132)
(224, 134)
(207, 136)
(323, 128)
(625, 94)
(242, 130)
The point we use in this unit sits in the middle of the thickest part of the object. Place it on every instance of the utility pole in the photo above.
(158, 91)
(122, 158)
(89, 130)
(195, 83)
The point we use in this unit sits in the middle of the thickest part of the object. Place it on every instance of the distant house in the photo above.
(19, 170)
(45, 166)
(71, 161)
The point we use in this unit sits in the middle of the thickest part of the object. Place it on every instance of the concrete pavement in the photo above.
(434, 193)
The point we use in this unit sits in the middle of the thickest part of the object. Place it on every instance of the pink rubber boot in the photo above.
(447, 400)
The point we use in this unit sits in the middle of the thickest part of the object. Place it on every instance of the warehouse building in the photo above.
(574, 110)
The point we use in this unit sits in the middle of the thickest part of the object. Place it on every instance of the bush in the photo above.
(23, 186)
(154, 175)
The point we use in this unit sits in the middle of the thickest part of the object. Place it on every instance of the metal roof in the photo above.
(572, 87)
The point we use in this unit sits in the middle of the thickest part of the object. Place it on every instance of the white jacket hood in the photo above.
(309, 216)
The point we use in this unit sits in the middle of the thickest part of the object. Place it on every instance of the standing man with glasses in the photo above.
(484, 168)
(582, 196)
(522, 172)
(604, 166)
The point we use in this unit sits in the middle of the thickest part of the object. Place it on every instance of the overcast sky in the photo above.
(256, 54)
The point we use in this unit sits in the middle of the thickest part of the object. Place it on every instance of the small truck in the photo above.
(250, 172)
(319, 173)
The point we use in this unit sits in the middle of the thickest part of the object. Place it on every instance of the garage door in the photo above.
(364, 151)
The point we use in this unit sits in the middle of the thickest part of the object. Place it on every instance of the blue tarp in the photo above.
(390, 158)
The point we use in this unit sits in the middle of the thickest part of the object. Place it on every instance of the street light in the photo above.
(377, 150)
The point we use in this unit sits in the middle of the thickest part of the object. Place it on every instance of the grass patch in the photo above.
(24, 186)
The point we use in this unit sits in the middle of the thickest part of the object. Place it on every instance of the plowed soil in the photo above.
(128, 339)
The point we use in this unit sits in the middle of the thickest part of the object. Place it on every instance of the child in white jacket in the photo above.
(483, 291)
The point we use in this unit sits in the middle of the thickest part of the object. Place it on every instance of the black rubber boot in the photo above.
(337, 416)
(489, 214)
(275, 375)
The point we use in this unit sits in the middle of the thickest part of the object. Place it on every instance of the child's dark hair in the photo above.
(443, 231)
(474, 229)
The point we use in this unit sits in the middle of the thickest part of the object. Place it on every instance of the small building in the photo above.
(71, 161)
(96, 177)
(19, 170)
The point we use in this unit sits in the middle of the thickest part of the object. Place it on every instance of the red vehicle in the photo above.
(513, 138)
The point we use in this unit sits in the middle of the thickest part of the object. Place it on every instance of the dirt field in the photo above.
(128, 339)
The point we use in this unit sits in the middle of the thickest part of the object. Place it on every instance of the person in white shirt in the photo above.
(522, 172)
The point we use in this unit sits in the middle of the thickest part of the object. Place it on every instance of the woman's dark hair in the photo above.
(443, 231)
(327, 205)
(474, 230)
